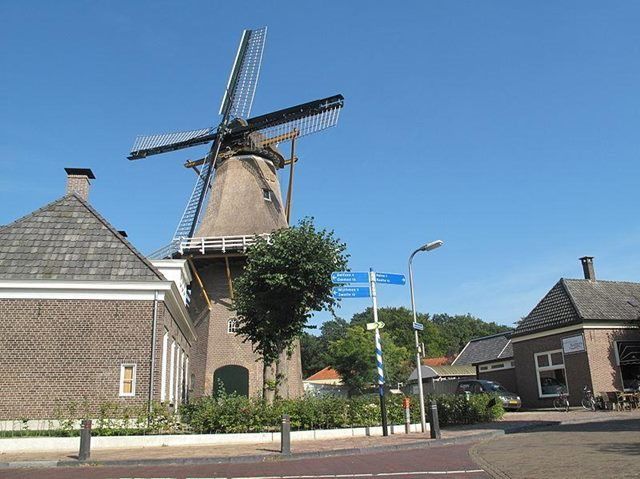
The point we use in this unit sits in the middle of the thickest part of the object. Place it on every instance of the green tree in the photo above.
(315, 349)
(285, 279)
(353, 356)
(397, 323)
(458, 330)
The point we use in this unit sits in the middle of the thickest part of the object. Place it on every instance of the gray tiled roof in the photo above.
(487, 348)
(572, 301)
(68, 239)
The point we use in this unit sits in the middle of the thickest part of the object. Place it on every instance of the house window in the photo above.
(128, 380)
(232, 326)
(550, 373)
(266, 194)
(163, 376)
(628, 359)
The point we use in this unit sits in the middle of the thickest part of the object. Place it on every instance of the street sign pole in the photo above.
(379, 364)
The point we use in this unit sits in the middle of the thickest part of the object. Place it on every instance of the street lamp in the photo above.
(427, 247)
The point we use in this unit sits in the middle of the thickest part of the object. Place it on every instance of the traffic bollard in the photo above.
(435, 423)
(285, 435)
(406, 404)
(85, 440)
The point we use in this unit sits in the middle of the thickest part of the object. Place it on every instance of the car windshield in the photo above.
(495, 387)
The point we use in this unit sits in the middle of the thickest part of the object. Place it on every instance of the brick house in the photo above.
(583, 332)
(84, 316)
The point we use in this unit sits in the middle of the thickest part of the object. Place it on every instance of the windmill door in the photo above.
(231, 379)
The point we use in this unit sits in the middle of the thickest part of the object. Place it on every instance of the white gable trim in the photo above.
(576, 327)
(167, 291)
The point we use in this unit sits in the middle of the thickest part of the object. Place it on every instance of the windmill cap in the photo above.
(81, 172)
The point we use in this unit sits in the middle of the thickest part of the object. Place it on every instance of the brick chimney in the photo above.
(78, 181)
(587, 267)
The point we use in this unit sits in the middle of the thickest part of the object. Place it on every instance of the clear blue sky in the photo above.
(507, 129)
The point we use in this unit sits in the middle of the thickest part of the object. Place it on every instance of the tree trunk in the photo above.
(268, 392)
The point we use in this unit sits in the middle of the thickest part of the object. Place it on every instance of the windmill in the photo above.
(237, 132)
(235, 198)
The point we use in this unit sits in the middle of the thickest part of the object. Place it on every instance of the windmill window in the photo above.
(266, 194)
(232, 326)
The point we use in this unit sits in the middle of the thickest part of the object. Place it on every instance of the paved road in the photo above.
(606, 449)
(446, 461)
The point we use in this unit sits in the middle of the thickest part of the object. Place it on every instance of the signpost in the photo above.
(418, 326)
(378, 325)
(351, 292)
(342, 277)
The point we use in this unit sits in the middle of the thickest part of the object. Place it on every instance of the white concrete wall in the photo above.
(34, 444)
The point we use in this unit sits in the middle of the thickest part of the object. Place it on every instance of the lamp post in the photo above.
(427, 247)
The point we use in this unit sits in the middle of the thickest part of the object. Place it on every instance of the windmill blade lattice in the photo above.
(189, 216)
(306, 119)
(243, 80)
(147, 145)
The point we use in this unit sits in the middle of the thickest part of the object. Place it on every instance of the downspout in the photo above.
(153, 353)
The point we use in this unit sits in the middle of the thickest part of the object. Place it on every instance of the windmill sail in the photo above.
(305, 119)
(189, 216)
(241, 88)
(148, 145)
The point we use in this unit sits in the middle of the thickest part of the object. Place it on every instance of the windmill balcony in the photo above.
(207, 245)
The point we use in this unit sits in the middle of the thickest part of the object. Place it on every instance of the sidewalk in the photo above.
(512, 422)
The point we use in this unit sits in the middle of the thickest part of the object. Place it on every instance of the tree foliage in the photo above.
(353, 356)
(285, 279)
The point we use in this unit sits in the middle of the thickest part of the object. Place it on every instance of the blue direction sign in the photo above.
(418, 326)
(351, 292)
(342, 277)
(390, 278)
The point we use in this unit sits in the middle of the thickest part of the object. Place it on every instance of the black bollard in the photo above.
(285, 435)
(435, 423)
(85, 440)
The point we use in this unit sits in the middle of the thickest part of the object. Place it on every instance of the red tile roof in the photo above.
(324, 374)
(442, 361)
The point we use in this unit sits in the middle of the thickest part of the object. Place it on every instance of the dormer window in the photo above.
(266, 194)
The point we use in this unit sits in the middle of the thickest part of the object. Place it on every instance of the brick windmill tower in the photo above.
(236, 198)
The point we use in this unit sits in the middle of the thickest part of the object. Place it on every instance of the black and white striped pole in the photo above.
(379, 363)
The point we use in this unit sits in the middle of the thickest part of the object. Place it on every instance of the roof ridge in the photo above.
(114, 231)
(582, 280)
(563, 281)
(32, 213)
(492, 335)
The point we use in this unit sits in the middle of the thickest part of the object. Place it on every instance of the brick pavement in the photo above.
(603, 448)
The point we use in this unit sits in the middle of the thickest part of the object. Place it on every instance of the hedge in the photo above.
(237, 414)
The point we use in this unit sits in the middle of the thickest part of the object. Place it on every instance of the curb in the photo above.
(256, 458)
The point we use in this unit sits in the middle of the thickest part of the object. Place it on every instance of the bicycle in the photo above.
(588, 401)
(561, 402)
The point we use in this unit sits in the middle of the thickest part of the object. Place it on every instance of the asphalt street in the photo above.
(445, 461)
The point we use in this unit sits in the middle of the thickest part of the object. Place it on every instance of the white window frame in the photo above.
(163, 376)
(549, 368)
(172, 370)
(232, 326)
(267, 194)
(133, 380)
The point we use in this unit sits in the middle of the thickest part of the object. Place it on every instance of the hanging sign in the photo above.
(573, 344)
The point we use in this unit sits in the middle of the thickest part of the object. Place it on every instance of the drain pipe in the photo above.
(153, 352)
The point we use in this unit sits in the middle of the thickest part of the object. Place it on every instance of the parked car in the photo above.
(552, 386)
(510, 401)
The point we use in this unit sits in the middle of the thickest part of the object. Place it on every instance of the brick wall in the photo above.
(55, 352)
(576, 370)
(216, 347)
(605, 374)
